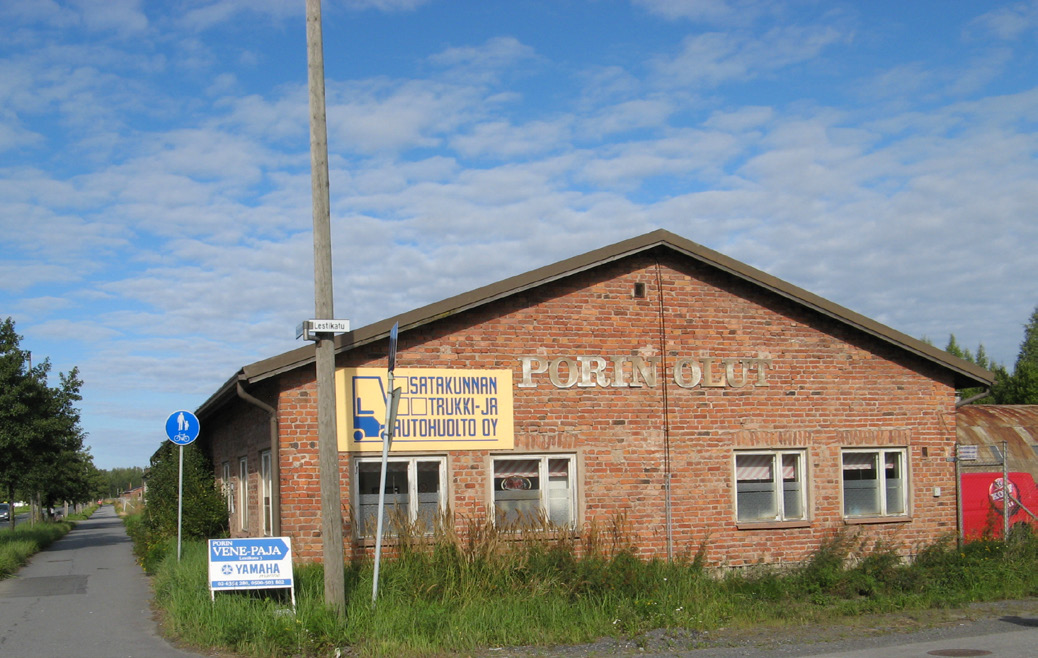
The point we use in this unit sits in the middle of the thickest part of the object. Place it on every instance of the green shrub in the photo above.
(205, 516)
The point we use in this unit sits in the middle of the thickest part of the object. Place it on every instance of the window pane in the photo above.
(368, 475)
(266, 486)
(861, 484)
(243, 493)
(792, 488)
(895, 483)
(559, 492)
(755, 488)
(517, 491)
(428, 477)
(754, 467)
(757, 501)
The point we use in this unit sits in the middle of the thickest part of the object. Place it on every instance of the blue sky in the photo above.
(155, 212)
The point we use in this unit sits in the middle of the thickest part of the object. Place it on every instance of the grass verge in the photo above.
(18, 545)
(452, 596)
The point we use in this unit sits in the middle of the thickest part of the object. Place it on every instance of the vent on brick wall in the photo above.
(639, 291)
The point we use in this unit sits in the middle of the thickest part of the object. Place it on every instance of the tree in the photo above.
(1022, 386)
(204, 508)
(118, 480)
(39, 425)
(981, 359)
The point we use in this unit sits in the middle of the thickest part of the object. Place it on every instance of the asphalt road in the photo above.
(85, 596)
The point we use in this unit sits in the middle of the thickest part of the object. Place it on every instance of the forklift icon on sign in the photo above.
(369, 408)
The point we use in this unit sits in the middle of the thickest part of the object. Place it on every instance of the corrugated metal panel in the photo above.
(988, 425)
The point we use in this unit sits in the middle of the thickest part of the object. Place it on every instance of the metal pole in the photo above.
(328, 449)
(1005, 491)
(958, 497)
(387, 437)
(180, 501)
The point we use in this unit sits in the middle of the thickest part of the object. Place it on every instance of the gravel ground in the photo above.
(857, 633)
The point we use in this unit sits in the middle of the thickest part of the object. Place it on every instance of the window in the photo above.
(265, 489)
(243, 493)
(769, 486)
(535, 489)
(228, 487)
(874, 483)
(414, 493)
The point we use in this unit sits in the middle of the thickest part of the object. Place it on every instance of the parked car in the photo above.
(5, 512)
(982, 501)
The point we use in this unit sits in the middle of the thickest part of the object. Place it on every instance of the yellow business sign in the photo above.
(440, 409)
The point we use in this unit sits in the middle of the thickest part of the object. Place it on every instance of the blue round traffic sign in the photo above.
(182, 427)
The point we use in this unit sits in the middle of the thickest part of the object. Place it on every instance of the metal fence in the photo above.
(992, 496)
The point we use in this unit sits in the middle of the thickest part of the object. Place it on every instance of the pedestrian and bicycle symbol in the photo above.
(182, 427)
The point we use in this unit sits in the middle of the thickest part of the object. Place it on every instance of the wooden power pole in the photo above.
(327, 443)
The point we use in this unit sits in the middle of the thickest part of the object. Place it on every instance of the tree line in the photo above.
(42, 457)
(1017, 387)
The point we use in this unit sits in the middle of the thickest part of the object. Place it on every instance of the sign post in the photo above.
(182, 428)
(392, 403)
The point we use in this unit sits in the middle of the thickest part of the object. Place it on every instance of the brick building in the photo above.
(655, 380)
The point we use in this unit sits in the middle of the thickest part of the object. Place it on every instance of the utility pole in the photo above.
(327, 443)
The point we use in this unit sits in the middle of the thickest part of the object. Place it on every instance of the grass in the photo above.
(18, 545)
(454, 595)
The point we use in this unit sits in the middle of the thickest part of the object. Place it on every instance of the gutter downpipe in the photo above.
(275, 459)
(667, 475)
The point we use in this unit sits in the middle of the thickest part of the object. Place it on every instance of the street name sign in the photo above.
(250, 563)
(308, 329)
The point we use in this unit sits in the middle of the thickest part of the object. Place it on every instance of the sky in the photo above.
(155, 204)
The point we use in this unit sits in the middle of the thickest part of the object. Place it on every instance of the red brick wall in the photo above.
(240, 430)
(828, 388)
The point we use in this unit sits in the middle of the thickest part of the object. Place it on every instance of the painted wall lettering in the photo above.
(591, 371)
(638, 372)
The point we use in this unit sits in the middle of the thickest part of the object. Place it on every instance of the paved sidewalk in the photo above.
(85, 596)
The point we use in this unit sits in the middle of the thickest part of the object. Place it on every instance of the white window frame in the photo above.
(360, 531)
(881, 481)
(543, 476)
(266, 500)
(243, 493)
(778, 485)
(228, 487)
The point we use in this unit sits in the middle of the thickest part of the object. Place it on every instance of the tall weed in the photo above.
(493, 587)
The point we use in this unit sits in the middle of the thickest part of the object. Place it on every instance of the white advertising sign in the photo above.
(252, 563)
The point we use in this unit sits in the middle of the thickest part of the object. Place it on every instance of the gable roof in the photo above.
(965, 373)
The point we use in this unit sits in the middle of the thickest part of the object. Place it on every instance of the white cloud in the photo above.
(484, 63)
(711, 59)
(387, 116)
(500, 139)
(171, 181)
(385, 5)
(209, 14)
(1009, 22)
(629, 115)
(712, 11)
(122, 16)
